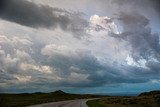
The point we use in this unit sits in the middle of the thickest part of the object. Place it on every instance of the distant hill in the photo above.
(151, 93)
(59, 92)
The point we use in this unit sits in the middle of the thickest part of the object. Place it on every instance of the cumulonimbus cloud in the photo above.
(54, 58)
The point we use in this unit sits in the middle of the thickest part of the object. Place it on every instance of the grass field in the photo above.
(95, 103)
(151, 99)
(22, 100)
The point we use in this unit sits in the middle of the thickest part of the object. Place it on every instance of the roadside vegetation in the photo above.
(95, 103)
(150, 99)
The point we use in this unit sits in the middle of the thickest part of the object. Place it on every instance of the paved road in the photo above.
(70, 103)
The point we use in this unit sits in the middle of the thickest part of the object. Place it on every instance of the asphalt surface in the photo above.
(70, 103)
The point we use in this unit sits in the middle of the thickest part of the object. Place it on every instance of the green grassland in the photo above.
(151, 99)
(25, 99)
(95, 103)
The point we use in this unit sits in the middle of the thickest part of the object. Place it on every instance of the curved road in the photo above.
(70, 103)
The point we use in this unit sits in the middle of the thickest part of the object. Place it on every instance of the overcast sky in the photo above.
(80, 46)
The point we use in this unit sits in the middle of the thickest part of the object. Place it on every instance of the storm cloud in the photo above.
(42, 16)
(137, 32)
(39, 51)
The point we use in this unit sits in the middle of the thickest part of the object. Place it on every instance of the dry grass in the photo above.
(144, 100)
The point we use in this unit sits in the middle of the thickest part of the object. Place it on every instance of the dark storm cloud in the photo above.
(137, 32)
(29, 14)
